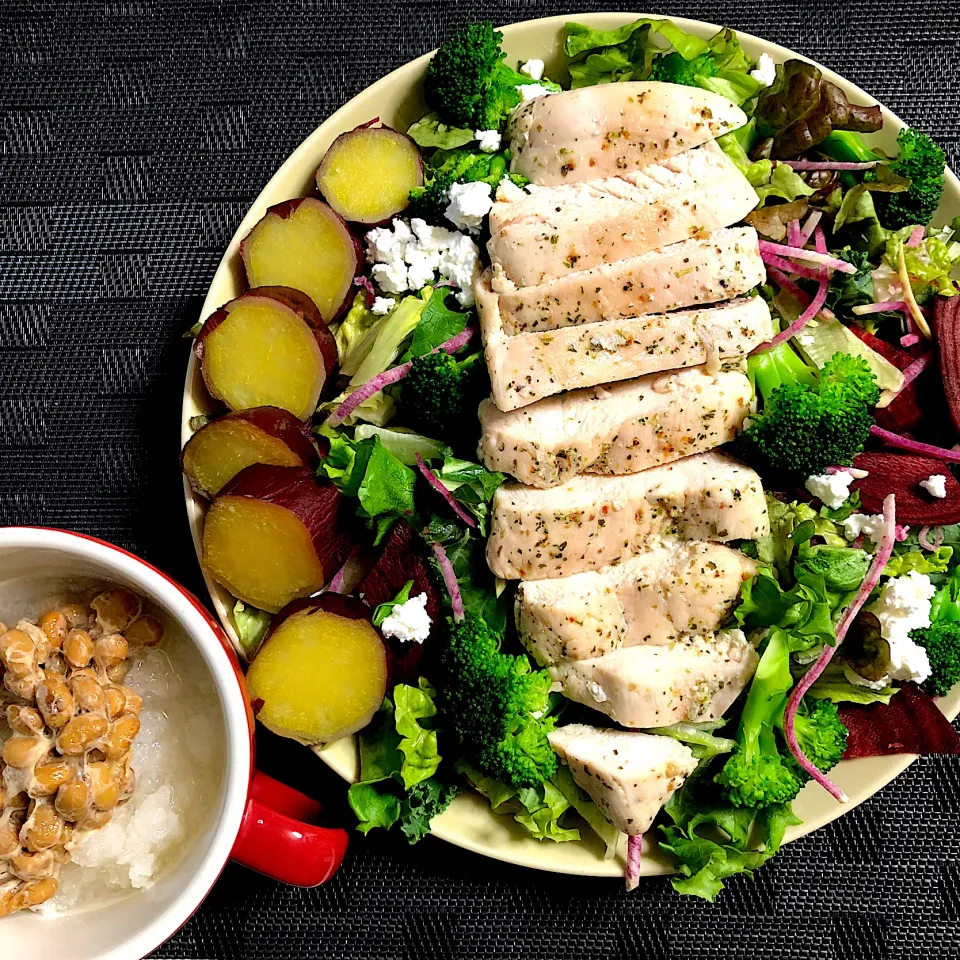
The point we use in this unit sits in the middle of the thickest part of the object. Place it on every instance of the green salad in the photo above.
(850, 597)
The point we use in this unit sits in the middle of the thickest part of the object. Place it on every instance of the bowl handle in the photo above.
(279, 836)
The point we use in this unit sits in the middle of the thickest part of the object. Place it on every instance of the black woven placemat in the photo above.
(135, 133)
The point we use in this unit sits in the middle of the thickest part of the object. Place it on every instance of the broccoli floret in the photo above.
(756, 775)
(941, 639)
(497, 706)
(448, 167)
(807, 421)
(467, 83)
(672, 68)
(441, 393)
(821, 735)
(923, 163)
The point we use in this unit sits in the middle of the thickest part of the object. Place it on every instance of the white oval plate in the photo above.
(397, 101)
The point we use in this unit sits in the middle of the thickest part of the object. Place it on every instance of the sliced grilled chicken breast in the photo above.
(621, 428)
(674, 588)
(531, 366)
(612, 128)
(691, 273)
(556, 231)
(591, 522)
(693, 679)
(628, 775)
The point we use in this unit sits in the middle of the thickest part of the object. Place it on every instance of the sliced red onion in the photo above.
(827, 164)
(799, 295)
(793, 233)
(449, 580)
(809, 256)
(367, 390)
(808, 314)
(807, 232)
(336, 584)
(901, 532)
(880, 560)
(910, 339)
(923, 538)
(634, 850)
(854, 472)
(914, 446)
(437, 485)
(916, 238)
(772, 260)
(365, 283)
(394, 375)
(915, 369)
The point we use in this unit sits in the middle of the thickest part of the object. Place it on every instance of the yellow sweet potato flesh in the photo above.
(306, 250)
(261, 552)
(368, 174)
(319, 676)
(219, 452)
(261, 356)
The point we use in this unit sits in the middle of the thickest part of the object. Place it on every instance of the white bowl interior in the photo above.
(396, 100)
(127, 928)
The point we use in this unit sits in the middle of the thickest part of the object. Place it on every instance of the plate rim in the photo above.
(335, 756)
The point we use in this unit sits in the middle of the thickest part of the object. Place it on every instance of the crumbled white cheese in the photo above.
(861, 523)
(596, 691)
(532, 69)
(408, 257)
(391, 277)
(382, 305)
(608, 341)
(529, 91)
(408, 621)
(766, 71)
(935, 485)
(806, 339)
(832, 489)
(488, 140)
(904, 605)
(469, 204)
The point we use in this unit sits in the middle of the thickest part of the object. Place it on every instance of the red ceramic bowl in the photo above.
(260, 823)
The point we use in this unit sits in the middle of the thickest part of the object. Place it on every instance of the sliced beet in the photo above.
(901, 359)
(946, 322)
(404, 558)
(910, 723)
(900, 474)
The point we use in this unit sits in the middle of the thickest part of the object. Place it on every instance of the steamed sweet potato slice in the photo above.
(368, 173)
(268, 348)
(218, 451)
(275, 534)
(321, 674)
(306, 245)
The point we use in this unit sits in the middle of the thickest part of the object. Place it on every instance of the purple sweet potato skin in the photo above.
(404, 558)
(900, 474)
(318, 505)
(293, 300)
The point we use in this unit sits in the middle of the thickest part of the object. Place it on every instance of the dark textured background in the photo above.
(134, 136)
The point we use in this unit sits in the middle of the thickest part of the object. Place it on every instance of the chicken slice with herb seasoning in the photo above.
(629, 775)
(693, 272)
(694, 679)
(590, 522)
(620, 428)
(612, 128)
(531, 366)
(555, 231)
(675, 587)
